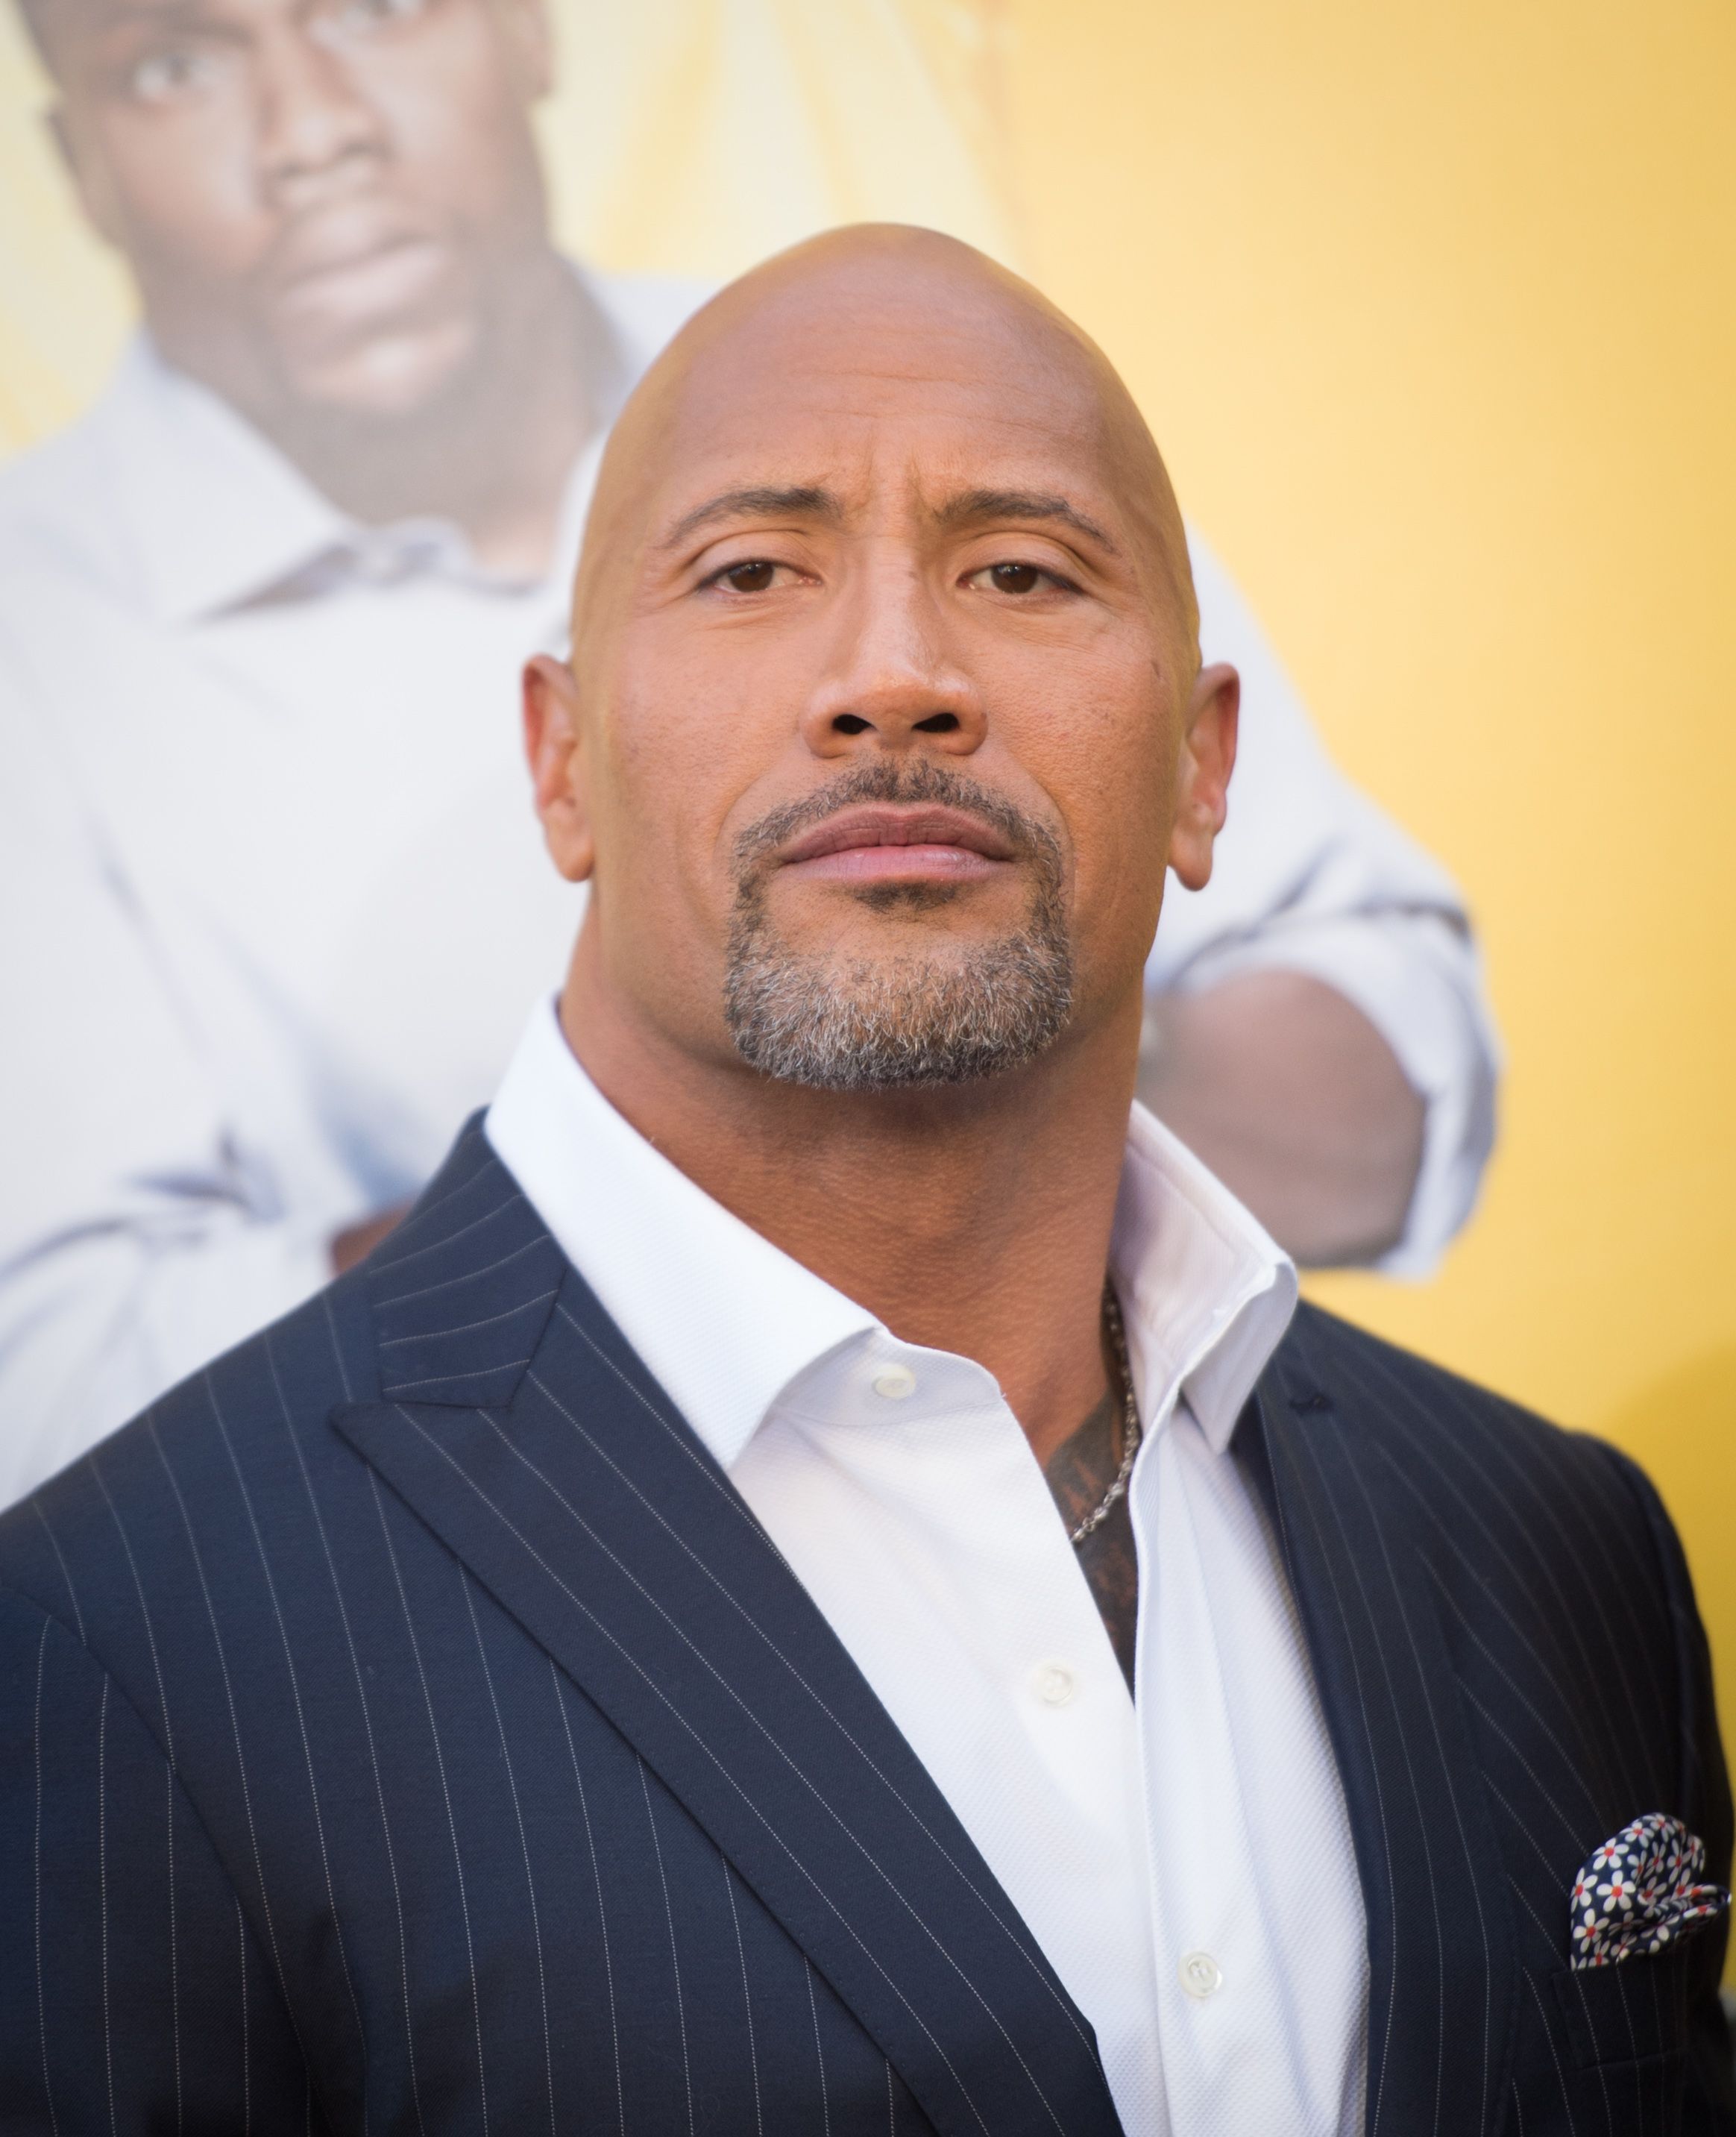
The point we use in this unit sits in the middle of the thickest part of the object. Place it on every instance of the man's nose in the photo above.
(893, 682)
(312, 116)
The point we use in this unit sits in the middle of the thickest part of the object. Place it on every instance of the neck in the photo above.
(970, 1219)
(491, 452)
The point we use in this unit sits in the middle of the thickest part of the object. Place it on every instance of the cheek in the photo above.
(1095, 734)
(698, 717)
(1095, 729)
(667, 786)
(183, 188)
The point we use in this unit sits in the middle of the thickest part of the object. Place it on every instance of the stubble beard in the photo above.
(955, 1015)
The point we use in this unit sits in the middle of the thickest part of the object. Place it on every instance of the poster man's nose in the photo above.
(312, 115)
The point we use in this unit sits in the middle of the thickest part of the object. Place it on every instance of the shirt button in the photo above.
(895, 1383)
(1053, 1683)
(1201, 1975)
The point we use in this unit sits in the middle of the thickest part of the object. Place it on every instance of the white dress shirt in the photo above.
(1182, 1857)
(274, 902)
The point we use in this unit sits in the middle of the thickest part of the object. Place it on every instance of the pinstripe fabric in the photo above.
(474, 1765)
(406, 1727)
(1511, 1668)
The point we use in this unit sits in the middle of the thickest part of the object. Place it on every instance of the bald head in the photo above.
(876, 309)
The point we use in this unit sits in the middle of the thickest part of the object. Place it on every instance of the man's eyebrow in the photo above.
(803, 500)
(971, 505)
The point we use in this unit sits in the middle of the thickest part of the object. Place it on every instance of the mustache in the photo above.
(886, 779)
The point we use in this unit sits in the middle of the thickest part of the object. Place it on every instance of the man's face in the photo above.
(882, 698)
(317, 196)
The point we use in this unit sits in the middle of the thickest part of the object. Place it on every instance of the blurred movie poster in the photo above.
(684, 137)
(314, 317)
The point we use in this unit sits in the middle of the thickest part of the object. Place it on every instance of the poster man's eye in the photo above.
(371, 14)
(162, 75)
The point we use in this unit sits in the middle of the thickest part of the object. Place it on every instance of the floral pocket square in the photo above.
(1641, 1891)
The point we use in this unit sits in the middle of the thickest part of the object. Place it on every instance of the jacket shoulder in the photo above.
(1502, 1505)
(1382, 1383)
(214, 1457)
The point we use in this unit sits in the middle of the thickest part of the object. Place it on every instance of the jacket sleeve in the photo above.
(136, 1997)
(1709, 2106)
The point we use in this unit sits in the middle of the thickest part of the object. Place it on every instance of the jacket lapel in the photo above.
(1443, 1971)
(520, 1426)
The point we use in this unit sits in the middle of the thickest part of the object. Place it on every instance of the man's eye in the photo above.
(1014, 578)
(755, 576)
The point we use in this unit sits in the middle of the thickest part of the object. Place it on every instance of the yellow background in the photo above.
(1434, 312)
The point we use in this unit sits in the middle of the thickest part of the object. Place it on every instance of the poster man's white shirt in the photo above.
(275, 902)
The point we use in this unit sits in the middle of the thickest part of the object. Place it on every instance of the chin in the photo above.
(388, 378)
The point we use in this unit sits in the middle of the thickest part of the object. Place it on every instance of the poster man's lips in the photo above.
(353, 267)
(399, 259)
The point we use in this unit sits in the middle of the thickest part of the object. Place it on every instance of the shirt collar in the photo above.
(725, 1321)
(219, 515)
(1206, 1293)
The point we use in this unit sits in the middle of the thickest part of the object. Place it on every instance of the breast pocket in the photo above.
(1627, 2014)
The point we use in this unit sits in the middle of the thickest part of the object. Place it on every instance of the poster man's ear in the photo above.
(554, 749)
(527, 25)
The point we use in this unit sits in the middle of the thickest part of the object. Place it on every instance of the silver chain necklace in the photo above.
(1130, 1418)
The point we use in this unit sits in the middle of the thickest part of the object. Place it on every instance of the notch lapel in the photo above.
(525, 1433)
(1442, 1967)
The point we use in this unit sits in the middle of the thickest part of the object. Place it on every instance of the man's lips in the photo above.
(883, 843)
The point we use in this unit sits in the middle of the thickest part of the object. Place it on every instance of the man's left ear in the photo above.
(1207, 758)
(554, 749)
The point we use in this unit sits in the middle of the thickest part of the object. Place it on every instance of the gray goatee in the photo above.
(960, 1012)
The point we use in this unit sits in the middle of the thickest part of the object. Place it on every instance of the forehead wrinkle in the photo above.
(970, 506)
(757, 501)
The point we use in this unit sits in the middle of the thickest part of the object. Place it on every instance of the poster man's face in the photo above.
(318, 197)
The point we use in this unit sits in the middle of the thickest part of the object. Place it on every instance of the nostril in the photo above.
(849, 723)
(938, 723)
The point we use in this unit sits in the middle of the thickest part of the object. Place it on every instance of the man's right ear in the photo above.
(554, 749)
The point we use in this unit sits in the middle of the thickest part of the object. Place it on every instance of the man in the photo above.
(821, 1579)
(330, 504)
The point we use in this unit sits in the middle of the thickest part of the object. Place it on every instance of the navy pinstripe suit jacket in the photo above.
(405, 1727)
